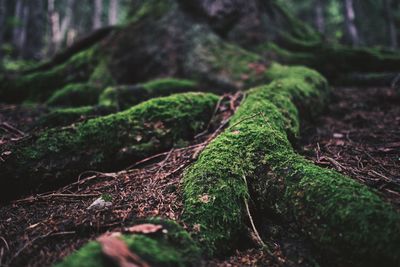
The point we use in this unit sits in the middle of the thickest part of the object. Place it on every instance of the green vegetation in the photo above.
(123, 97)
(336, 212)
(172, 246)
(57, 156)
(75, 94)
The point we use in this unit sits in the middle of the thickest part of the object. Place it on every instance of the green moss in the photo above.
(333, 60)
(39, 86)
(76, 94)
(101, 76)
(123, 97)
(173, 248)
(105, 143)
(168, 83)
(152, 8)
(335, 212)
(67, 116)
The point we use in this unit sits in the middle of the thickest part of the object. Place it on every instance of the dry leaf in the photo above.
(204, 198)
(146, 228)
(117, 251)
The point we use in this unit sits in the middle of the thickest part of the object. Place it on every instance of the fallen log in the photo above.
(57, 156)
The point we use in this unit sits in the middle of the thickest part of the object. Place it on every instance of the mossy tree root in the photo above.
(338, 214)
(78, 97)
(172, 247)
(57, 156)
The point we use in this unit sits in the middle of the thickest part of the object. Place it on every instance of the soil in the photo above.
(358, 135)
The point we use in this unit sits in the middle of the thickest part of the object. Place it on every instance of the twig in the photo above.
(12, 129)
(212, 117)
(40, 197)
(260, 241)
(26, 245)
(5, 242)
(164, 161)
(244, 119)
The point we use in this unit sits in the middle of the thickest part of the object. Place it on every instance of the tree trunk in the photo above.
(320, 15)
(113, 12)
(351, 27)
(97, 14)
(19, 32)
(36, 29)
(391, 26)
(66, 22)
(2, 20)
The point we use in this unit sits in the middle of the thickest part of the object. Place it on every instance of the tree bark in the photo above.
(19, 32)
(2, 20)
(97, 14)
(113, 12)
(36, 29)
(320, 15)
(391, 26)
(351, 27)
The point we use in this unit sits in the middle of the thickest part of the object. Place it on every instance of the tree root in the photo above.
(335, 212)
(56, 156)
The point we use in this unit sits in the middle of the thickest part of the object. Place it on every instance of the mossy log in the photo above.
(111, 100)
(172, 246)
(57, 156)
(338, 214)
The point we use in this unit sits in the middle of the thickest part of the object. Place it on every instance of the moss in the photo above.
(56, 156)
(332, 60)
(223, 63)
(101, 76)
(173, 248)
(152, 8)
(335, 212)
(39, 86)
(67, 116)
(123, 97)
(74, 95)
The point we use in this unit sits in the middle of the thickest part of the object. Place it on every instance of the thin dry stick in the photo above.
(162, 164)
(41, 197)
(245, 119)
(12, 129)
(212, 117)
(258, 237)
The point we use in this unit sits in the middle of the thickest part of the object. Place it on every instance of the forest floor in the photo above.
(358, 136)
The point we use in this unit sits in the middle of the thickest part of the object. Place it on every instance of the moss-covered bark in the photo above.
(125, 96)
(57, 156)
(334, 61)
(111, 100)
(339, 215)
(172, 246)
(75, 95)
(40, 85)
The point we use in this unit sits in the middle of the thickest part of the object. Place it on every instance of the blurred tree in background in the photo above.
(37, 29)
(357, 22)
